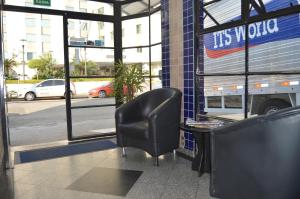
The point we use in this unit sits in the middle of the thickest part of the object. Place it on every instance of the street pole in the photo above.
(23, 48)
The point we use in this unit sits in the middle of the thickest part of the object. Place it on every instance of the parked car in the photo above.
(104, 91)
(46, 88)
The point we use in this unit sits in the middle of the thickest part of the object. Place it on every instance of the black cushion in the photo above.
(136, 129)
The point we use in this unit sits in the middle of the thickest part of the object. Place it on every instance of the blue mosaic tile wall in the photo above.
(188, 67)
(165, 43)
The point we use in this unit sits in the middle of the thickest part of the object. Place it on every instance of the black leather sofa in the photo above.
(258, 158)
(150, 122)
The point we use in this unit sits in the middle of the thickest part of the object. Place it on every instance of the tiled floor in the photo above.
(52, 178)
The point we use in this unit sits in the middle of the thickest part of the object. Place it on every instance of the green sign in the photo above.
(42, 2)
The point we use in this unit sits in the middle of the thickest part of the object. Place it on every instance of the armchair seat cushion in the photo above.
(137, 129)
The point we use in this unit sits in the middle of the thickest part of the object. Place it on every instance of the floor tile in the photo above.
(145, 191)
(179, 192)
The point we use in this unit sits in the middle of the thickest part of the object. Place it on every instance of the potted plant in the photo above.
(128, 81)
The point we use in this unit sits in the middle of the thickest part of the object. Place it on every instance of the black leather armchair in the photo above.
(150, 122)
(258, 158)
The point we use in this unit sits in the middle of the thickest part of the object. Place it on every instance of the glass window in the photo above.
(233, 101)
(135, 8)
(91, 61)
(46, 83)
(29, 55)
(156, 65)
(83, 32)
(31, 37)
(58, 83)
(138, 29)
(224, 96)
(274, 45)
(154, 4)
(30, 22)
(221, 12)
(156, 27)
(45, 23)
(273, 5)
(85, 6)
(46, 38)
(141, 35)
(214, 102)
(132, 56)
(269, 93)
(225, 51)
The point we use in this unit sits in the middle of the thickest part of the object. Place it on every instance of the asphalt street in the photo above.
(43, 121)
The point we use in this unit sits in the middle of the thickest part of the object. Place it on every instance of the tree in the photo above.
(129, 80)
(45, 66)
(8, 66)
(91, 68)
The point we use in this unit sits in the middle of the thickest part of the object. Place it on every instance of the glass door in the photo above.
(89, 66)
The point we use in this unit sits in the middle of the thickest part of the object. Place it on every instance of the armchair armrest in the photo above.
(164, 118)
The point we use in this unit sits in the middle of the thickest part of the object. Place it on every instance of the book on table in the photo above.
(208, 123)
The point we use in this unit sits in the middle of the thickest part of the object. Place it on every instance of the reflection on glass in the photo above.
(135, 32)
(85, 6)
(222, 12)
(154, 4)
(273, 5)
(137, 56)
(156, 83)
(273, 92)
(28, 40)
(30, 36)
(155, 27)
(93, 88)
(275, 45)
(224, 96)
(156, 60)
(233, 101)
(93, 121)
(224, 51)
(135, 8)
(90, 33)
(146, 86)
(89, 61)
(214, 102)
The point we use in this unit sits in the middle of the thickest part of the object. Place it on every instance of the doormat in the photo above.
(62, 151)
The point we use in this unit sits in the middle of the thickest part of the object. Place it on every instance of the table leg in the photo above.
(202, 152)
(197, 158)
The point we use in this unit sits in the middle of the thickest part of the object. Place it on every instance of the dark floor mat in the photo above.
(56, 152)
(107, 181)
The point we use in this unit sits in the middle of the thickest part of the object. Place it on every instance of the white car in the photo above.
(46, 88)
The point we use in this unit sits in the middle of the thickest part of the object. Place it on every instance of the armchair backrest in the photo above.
(150, 100)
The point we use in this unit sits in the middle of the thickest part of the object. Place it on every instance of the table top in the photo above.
(205, 128)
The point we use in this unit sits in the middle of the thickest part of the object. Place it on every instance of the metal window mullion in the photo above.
(67, 77)
(245, 17)
(150, 61)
